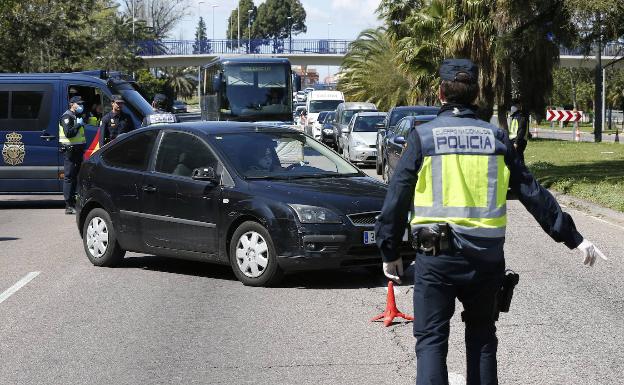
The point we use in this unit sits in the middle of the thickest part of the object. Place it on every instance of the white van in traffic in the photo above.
(321, 101)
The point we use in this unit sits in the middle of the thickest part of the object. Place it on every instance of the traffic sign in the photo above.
(563, 115)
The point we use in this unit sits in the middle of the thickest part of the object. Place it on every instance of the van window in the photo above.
(4, 105)
(26, 107)
(92, 97)
(133, 153)
(26, 104)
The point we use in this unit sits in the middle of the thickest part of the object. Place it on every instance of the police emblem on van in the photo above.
(13, 150)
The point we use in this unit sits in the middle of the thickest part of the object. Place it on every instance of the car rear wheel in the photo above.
(253, 257)
(378, 163)
(386, 172)
(100, 239)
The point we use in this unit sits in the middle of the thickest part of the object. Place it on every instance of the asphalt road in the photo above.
(160, 321)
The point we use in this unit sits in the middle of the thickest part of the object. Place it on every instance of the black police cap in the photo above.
(76, 99)
(450, 68)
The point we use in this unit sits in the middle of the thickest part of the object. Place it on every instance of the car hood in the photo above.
(366, 137)
(343, 195)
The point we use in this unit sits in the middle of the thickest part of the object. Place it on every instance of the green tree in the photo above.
(233, 23)
(201, 44)
(181, 82)
(370, 72)
(272, 21)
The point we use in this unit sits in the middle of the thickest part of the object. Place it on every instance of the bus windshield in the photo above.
(256, 90)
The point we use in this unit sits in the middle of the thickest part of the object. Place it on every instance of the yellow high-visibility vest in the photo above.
(463, 181)
(80, 137)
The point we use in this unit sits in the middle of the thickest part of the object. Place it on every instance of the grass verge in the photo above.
(590, 171)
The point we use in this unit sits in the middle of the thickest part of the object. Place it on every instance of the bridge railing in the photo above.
(610, 49)
(254, 46)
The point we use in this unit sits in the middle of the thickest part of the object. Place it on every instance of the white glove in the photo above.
(394, 270)
(590, 252)
(79, 121)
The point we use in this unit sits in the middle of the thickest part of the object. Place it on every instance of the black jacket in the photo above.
(113, 125)
(392, 221)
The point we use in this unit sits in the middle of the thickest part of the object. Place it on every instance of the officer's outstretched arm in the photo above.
(545, 208)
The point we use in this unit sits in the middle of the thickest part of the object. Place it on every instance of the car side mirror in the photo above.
(399, 140)
(206, 174)
(346, 130)
(380, 126)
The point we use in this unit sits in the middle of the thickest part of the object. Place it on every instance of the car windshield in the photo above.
(281, 155)
(400, 114)
(348, 114)
(367, 123)
(321, 117)
(323, 105)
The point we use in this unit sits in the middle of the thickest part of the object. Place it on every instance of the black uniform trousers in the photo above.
(71, 166)
(438, 280)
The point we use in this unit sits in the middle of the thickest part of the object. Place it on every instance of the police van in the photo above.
(30, 108)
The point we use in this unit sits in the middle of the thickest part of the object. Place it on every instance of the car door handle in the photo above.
(47, 136)
(150, 189)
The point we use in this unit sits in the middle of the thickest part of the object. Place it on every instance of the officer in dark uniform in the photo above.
(72, 140)
(160, 115)
(115, 122)
(519, 128)
(453, 179)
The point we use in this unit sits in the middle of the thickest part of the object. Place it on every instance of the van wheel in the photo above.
(253, 257)
(100, 239)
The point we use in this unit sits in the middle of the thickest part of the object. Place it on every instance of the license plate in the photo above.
(369, 237)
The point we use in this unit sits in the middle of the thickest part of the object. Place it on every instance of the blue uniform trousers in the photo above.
(438, 280)
(71, 166)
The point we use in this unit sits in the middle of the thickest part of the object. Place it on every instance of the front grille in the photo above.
(372, 146)
(364, 219)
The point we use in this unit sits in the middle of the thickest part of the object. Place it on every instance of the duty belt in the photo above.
(433, 239)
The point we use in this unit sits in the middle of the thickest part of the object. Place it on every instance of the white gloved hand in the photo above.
(79, 121)
(394, 270)
(590, 252)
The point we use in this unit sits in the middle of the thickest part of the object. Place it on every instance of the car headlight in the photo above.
(313, 214)
(328, 131)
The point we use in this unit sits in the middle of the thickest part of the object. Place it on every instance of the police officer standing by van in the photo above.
(160, 115)
(72, 140)
(453, 179)
(116, 122)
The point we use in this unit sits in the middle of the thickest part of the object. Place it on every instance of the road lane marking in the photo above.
(456, 379)
(21, 283)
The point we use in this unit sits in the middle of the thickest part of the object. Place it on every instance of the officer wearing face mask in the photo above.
(72, 139)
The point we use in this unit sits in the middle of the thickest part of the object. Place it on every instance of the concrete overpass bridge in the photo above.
(305, 52)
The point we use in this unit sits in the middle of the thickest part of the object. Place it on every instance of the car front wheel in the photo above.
(100, 239)
(253, 257)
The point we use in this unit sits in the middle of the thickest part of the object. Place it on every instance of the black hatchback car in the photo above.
(264, 200)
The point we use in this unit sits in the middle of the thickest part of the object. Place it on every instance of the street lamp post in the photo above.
(238, 15)
(249, 31)
(289, 34)
(213, 23)
(328, 25)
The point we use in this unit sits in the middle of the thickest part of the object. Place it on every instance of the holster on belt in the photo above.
(433, 239)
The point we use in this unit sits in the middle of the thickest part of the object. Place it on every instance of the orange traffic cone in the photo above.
(391, 309)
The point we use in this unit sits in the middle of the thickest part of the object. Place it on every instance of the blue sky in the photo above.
(347, 17)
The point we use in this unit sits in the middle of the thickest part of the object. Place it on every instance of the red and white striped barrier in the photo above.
(563, 115)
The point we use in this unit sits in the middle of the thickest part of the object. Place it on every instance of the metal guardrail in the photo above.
(256, 46)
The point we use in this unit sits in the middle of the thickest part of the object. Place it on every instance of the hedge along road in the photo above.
(156, 321)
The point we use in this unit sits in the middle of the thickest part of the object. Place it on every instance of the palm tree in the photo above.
(370, 71)
(181, 81)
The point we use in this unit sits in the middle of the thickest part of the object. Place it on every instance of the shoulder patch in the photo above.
(66, 120)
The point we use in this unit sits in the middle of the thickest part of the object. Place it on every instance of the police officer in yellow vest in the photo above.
(518, 128)
(72, 140)
(453, 179)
